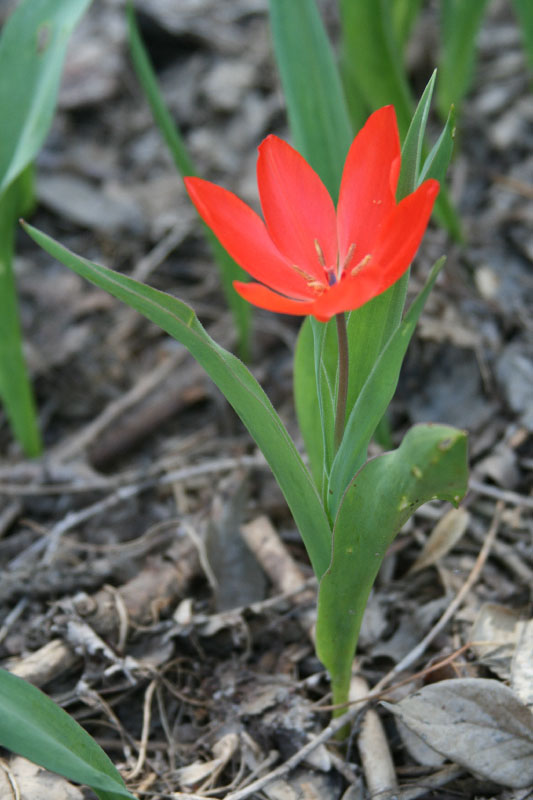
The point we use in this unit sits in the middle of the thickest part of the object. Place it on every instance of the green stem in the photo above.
(342, 392)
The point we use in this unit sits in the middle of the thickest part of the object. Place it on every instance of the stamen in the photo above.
(364, 261)
(320, 254)
(348, 257)
(316, 286)
(309, 278)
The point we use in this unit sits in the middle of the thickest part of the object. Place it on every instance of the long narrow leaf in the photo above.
(32, 51)
(316, 106)
(15, 389)
(371, 59)
(438, 161)
(460, 24)
(374, 399)
(35, 727)
(404, 14)
(229, 270)
(524, 12)
(233, 379)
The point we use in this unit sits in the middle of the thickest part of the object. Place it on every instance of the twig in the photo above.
(506, 496)
(50, 542)
(431, 782)
(147, 716)
(422, 646)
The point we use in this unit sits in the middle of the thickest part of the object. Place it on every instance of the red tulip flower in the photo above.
(308, 258)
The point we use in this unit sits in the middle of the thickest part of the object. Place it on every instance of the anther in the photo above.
(309, 278)
(320, 254)
(348, 257)
(364, 261)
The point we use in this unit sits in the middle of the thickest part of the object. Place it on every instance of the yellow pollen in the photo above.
(364, 261)
(348, 257)
(320, 254)
(309, 278)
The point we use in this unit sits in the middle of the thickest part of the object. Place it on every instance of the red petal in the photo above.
(402, 232)
(242, 232)
(262, 297)
(349, 294)
(367, 193)
(296, 206)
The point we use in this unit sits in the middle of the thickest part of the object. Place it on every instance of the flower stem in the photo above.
(342, 393)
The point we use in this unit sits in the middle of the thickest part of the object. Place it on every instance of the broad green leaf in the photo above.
(37, 729)
(15, 389)
(524, 12)
(32, 50)
(229, 270)
(431, 462)
(374, 399)
(438, 161)
(316, 106)
(460, 23)
(233, 379)
(371, 60)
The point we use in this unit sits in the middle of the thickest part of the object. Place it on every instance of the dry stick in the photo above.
(512, 498)
(147, 716)
(420, 649)
(431, 782)
(81, 440)
(50, 542)
(215, 465)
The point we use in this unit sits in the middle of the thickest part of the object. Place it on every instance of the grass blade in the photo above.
(460, 23)
(229, 270)
(371, 60)
(316, 105)
(15, 388)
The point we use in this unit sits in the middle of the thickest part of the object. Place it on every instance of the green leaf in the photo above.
(412, 153)
(233, 379)
(15, 389)
(229, 270)
(316, 106)
(36, 728)
(404, 14)
(460, 23)
(431, 462)
(414, 143)
(438, 161)
(32, 50)
(524, 12)
(315, 395)
(371, 60)
(374, 398)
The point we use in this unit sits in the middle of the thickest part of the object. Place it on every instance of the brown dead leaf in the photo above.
(27, 781)
(443, 538)
(494, 635)
(478, 723)
(522, 665)
(206, 772)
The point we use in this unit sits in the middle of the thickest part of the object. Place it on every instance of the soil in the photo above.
(128, 590)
